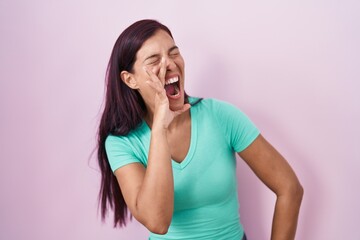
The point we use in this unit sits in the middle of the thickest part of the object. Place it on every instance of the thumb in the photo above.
(184, 109)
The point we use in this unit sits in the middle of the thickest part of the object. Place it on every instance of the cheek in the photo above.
(142, 76)
(180, 63)
(154, 69)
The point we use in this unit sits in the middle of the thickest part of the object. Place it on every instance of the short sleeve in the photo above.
(239, 130)
(119, 152)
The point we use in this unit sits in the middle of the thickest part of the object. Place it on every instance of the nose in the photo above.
(170, 63)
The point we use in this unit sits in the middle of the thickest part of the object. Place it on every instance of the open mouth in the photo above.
(172, 87)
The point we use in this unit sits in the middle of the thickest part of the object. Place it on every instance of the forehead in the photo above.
(160, 42)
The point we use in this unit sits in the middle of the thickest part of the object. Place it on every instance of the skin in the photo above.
(274, 171)
(149, 193)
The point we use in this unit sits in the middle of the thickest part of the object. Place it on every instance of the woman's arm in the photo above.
(149, 194)
(274, 171)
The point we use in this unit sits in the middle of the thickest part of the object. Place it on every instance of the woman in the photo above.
(169, 158)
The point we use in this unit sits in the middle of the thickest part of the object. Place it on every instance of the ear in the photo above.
(128, 79)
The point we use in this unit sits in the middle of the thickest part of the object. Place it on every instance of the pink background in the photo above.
(292, 66)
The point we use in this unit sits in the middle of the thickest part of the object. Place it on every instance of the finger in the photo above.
(155, 83)
(148, 72)
(152, 75)
(159, 91)
(162, 71)
(186, 107)
(156, 86)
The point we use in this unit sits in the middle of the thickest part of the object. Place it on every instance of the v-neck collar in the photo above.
(193, 139)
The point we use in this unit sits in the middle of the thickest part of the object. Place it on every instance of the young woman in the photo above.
(170, 158)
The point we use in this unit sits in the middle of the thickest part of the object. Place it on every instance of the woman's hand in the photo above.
(163, 115)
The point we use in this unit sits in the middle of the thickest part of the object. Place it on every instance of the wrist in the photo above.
(159, 128)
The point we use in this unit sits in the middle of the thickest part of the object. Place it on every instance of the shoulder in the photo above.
(113, 142)
(208, 102)
(224, 112)
(215, 105)
(131, 148)
(127, 140)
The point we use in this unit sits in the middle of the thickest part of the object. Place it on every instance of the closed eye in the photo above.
(153, 60)
(174, 51)
(174, 54)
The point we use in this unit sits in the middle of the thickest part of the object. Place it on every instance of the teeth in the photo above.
(171, 80)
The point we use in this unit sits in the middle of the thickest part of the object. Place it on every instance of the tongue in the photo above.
(170, 89)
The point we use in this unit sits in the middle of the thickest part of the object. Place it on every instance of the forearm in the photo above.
(286, 215)
(155, 200)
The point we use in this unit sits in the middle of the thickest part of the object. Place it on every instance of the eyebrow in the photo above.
(158, 55)
(173, 48)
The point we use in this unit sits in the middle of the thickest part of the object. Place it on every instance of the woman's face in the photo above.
(159, 46)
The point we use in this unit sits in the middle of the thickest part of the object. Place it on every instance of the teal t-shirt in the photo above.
(206, 203)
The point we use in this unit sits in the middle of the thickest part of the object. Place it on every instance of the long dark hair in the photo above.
(123, 111)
